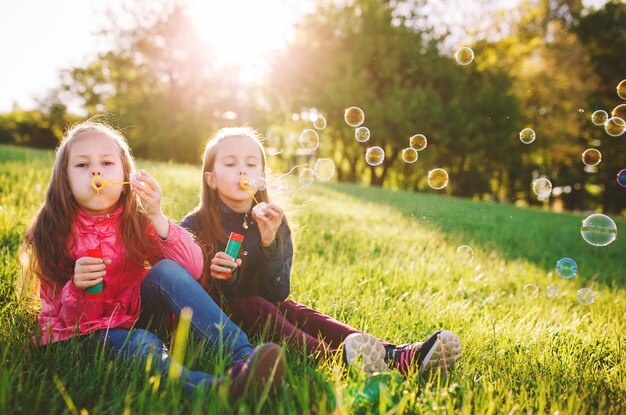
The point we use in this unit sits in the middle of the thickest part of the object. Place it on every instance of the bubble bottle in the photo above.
(95, 292)
(233, 246)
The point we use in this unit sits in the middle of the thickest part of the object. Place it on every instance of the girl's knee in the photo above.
(167, 270)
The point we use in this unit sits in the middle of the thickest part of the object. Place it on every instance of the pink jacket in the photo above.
(68, 311)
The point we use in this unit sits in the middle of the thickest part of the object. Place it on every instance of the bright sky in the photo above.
(41, 37)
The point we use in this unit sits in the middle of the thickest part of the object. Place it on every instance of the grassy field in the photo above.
(384, 262)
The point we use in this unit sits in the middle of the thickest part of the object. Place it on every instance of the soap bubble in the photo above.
(362, 134)
(615, 126)
(437, 178)
(552, 291)
(409, 155)
(527, 135)
(418, 142)
(320, 122)
(591, 157)
(586, 296)
(531, 291)
(464, 56)
(542, 187)
(374, 156)
(354, 116)
(619, 111)
(621, 178)
(309, 140)
(621, 89)
(598, 230)
(599, 117)
(307, 176)
(464, 254)
(324, 169)
(258, 183)
(566, 268)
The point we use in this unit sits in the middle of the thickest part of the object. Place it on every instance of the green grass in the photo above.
(381, 261)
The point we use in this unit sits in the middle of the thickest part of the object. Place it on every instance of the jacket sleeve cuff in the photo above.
(271, 252)
(173, 236)
(71, 292)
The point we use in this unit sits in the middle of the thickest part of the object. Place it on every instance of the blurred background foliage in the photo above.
(547, 64)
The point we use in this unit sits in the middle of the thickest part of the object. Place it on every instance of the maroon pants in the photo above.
(301, 326)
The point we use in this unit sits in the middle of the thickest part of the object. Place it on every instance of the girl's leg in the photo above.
(259, 316)
(169, 286)
(142, 344)
(317, 324)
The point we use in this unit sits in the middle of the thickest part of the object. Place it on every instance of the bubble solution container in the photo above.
(233, 246)
(95, 291)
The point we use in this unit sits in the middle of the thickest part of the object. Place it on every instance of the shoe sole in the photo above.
(444, 352)
(268, 367)
(371, 351)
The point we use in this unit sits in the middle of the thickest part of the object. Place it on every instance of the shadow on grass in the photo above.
(529, 234)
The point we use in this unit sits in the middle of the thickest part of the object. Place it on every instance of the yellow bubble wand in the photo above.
(98, 183)
(244, 185)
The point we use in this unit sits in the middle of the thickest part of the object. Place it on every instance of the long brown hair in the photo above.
(208, 214)
(45, 252)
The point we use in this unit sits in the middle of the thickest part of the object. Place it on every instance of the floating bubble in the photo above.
(309, 140)
(599, 117)
(566, 268)
(418, 142)
(619, 111)
(464, 56)
(258, 183)
(354, 116)
(409, 155)
(437, 178)
(307, 176)
(615, 126)
(586, 296)
(621, 89)
(531, 291)
(598, 230)
(542, 187)
(362, 134)
(552, 291)
(374, 156)
(324, 169)
(527, 135)
(464, 254)
(320, 122)
(621, 178)
(591, 157)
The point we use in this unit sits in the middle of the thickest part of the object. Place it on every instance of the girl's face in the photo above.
(235, 158)
(90, 156)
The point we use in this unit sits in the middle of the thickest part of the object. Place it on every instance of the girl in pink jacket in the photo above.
(112, 266)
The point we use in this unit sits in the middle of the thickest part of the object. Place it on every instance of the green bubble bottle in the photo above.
(233, 246)
(95, 291)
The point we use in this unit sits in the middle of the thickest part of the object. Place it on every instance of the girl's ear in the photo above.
(210, 180)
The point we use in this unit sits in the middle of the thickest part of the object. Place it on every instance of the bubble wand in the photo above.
(98, 183)
(259, 208)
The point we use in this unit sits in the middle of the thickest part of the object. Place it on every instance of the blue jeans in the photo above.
(167, 288)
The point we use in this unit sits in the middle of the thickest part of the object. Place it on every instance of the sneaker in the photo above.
(368, 348)
(266, 364)
(437, 352)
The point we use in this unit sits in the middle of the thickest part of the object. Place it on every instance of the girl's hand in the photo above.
(269, 222)
(89, 271)
(219, 263)
(149, 193)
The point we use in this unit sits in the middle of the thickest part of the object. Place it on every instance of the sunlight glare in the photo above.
(244, 32)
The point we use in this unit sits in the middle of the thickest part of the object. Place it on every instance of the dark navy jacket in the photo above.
(265, 271)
